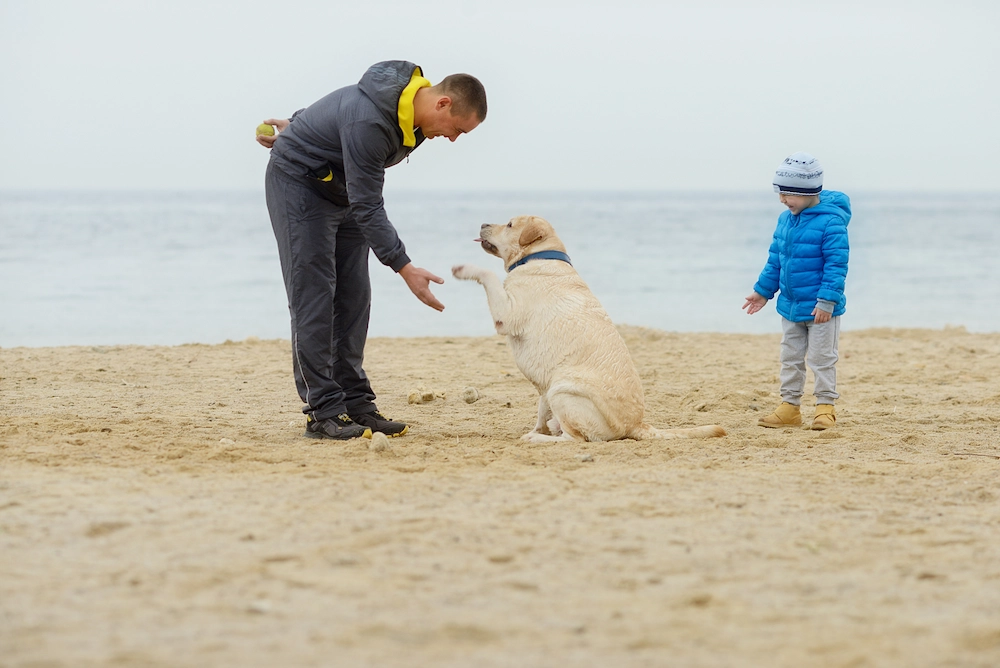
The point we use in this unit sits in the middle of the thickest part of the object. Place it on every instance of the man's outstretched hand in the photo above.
(418, 280)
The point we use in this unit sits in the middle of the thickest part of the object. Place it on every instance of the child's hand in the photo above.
(754, 303)
(821, 316)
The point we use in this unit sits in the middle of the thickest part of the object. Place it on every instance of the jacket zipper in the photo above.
(788, 254)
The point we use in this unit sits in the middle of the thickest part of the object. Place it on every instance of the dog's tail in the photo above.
(706, 431)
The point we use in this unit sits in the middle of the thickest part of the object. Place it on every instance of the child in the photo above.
(807, 263)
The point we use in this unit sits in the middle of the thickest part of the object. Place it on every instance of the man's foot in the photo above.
(378, 422)
(340, 428)
(785, 415)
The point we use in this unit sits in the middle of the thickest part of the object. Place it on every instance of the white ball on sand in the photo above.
(470, 395)
(380, 442)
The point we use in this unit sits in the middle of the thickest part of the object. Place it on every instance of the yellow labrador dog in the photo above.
(563, 340)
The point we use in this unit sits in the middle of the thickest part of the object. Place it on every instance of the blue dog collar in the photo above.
(541, 255)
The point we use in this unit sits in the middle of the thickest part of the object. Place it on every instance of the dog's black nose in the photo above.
(484, 226)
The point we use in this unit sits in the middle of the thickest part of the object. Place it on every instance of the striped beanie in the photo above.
(799, 174)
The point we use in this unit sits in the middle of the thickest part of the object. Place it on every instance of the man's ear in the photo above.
(530, 234)
(443, 102)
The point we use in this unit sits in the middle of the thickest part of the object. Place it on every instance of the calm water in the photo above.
(171, 268)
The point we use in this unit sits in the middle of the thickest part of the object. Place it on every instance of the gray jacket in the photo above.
(346, 140)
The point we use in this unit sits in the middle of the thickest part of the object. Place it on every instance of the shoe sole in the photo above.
(312, 434)
(405, 429)
(778, 426)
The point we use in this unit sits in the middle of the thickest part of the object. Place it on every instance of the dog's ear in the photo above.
(530, 234)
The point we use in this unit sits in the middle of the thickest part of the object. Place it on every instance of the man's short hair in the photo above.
(467, 95)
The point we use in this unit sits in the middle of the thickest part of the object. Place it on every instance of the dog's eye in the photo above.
(510, 224)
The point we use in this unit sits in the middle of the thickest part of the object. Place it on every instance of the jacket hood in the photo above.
(384, 82)
(831, 202)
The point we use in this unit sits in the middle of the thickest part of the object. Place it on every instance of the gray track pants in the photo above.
(817, 344)
(324, 262)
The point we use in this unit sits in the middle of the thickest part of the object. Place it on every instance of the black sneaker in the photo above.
(379, 422)
(340, 428)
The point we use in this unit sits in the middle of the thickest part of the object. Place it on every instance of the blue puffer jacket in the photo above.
(807, 261)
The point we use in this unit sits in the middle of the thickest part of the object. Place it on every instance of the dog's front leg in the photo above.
(544, 414)
(496, 296)
(546, 424)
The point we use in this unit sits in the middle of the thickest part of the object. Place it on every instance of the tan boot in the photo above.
(785, 415)
(825, 417)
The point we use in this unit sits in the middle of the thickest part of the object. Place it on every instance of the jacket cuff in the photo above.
(824, 305)
(399, 262)
(762, 292)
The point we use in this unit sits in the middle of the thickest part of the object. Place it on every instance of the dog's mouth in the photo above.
(488, 247)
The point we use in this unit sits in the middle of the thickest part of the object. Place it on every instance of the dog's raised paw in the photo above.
(466, 272)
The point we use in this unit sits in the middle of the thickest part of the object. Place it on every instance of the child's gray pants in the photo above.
(813, 343)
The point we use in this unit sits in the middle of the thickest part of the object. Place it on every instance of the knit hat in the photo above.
(799, 174)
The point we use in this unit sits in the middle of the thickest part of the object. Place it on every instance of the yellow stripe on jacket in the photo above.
(405, 111)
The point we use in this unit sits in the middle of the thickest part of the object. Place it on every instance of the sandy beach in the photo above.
(159, 507)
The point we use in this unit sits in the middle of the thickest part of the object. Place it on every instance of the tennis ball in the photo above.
(265, 129)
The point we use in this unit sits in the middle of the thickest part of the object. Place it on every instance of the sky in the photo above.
(583, 95)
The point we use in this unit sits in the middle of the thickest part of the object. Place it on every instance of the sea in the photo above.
(170, 268)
